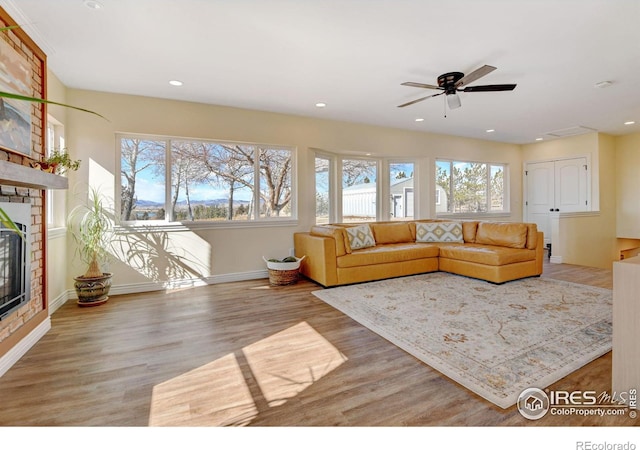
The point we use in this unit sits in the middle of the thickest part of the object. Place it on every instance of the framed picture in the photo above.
(15, 115)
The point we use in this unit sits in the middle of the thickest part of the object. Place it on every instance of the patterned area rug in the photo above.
(495, 340)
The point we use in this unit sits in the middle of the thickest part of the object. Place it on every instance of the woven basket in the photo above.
(283, 277)
(281, 273)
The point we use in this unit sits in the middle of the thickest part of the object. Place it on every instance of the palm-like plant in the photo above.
(92, 227)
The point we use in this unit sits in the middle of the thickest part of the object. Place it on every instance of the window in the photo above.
(56, 203)
(323, 205)
(359, 190)
(470, 187)
(401, 190)
(188, 180)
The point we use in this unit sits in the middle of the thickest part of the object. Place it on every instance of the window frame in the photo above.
(168, 224)
(506, 209)
(331, 186)
(55, 200)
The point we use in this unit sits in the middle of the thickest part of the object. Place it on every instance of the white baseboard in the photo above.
(555, 260)
(136, 288)
(60, 300)
(239, 276)
(17, 352)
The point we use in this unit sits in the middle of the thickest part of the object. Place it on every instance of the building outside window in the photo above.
(401, 176)
(359, 190)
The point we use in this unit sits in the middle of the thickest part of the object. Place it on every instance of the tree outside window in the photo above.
(471, 187)
(205, 180)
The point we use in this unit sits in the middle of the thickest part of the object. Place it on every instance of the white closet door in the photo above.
(571, 185)
(540, 195)
(555, 186)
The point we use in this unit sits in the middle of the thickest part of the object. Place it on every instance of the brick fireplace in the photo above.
(19, 183)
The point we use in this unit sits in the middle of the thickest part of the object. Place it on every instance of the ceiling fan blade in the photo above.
(420, 85)
(419, 100)
(473, 76)
(490, 88)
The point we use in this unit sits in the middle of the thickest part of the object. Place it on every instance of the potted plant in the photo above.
(58, 162)
(91, 226)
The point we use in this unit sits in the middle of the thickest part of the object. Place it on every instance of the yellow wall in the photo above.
(57, 254)
(240, 250)
(628, 186)
(206, 253)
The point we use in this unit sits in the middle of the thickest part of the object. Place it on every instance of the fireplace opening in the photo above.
(15, 286)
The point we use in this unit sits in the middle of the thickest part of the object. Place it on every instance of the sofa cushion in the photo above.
(513, 235)
(335, 232)
(469, 229)
(360, 236)
(491, 255)
(532, 236)
(439, 232)
(391, 233)
(389, 253)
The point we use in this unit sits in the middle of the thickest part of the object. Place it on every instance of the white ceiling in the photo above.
(287, 55)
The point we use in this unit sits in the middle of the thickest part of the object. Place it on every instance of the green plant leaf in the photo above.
(41, 100)
(9, 224)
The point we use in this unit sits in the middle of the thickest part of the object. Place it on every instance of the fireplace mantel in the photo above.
(12, 174)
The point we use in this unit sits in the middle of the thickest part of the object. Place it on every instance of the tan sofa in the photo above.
(492, 251)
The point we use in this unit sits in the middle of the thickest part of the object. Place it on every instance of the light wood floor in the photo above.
(215, 355)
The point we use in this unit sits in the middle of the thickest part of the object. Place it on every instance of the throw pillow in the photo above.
(439, 232)
(360, 237)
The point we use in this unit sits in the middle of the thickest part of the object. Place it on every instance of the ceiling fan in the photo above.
(453, 82)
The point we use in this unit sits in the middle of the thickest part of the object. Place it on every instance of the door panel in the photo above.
(571, 185)
(540, 195)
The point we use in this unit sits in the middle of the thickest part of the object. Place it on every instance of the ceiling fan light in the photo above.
(453, 101)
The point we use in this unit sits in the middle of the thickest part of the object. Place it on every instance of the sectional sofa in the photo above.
(347, 253)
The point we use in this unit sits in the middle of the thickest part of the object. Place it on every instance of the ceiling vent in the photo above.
(571, 131)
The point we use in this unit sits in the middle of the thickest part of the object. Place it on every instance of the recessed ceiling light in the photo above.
(603, 84)
(175, 83)
(490, 130)
(419, 119)
(630, 122)
(539, 139)
(93, 4)
(321, 105)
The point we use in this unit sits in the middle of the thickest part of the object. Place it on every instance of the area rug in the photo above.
(495, 340)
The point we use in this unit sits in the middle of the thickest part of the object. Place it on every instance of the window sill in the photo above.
(56, 232)
(474, 216)
(135, 227)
